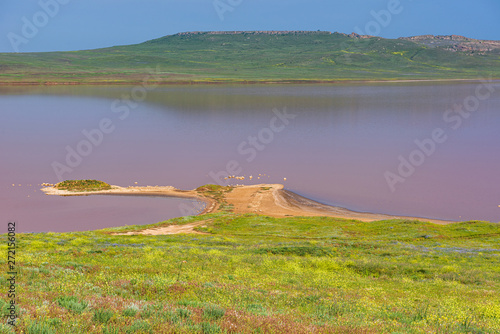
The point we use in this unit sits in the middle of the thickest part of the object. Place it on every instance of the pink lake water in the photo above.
(336, 145)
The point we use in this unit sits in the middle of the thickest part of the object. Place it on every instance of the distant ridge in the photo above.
(418, 38)
(271, 32)
(446, 42)
(256, 32)
(293, 56)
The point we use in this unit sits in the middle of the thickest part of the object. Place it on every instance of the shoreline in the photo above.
(262, 199)
(237, 81)
(156, 191)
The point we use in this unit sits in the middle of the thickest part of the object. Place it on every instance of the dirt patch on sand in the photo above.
(171, 229)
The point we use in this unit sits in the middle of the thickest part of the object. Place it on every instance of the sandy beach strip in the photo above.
(263, 199)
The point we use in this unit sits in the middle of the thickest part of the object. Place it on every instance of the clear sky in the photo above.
(55, 25)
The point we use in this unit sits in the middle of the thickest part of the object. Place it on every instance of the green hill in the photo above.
(256, 56)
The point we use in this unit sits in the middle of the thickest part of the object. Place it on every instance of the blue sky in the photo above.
(88, 24)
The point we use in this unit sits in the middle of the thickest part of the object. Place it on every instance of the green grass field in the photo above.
(249, 57)
(255, 274)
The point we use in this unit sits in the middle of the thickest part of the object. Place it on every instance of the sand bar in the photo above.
(263, 199)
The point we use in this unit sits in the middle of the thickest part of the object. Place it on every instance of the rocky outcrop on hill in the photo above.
(455, 43)
(264, 32)
(354, 35)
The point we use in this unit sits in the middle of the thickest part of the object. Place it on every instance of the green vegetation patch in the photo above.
(210, 187)
(295, 250)
(71, 303)
(83, 185)
(213, 312)
(217, 193)
(40, 328)
(102, 316)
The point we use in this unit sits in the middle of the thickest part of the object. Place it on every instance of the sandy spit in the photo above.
(263, 199)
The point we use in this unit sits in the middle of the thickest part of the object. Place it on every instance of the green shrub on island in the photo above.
(82, 185)
(210, 187)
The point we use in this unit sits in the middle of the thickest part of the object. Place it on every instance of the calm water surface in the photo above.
(336, 146)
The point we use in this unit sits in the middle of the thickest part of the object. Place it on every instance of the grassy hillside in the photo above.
(202, 57)
(255, 274)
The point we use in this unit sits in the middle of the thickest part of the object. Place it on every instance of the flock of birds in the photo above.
(29, 185)
(250, 177)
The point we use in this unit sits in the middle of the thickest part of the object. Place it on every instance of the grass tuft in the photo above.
(40, 328)
(103, 316)
(213, 312)
(72, 304)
